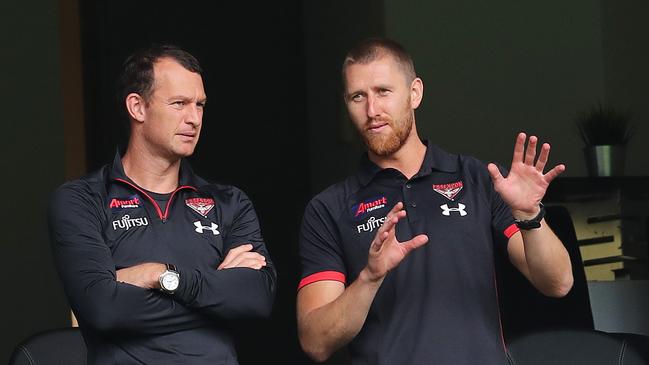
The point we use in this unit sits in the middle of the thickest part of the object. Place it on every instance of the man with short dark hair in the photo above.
(156, 261)
(398, 259)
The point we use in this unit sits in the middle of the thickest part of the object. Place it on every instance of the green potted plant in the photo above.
(605, 131)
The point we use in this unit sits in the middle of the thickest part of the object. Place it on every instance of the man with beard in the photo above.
(398, 259)
(156, 262)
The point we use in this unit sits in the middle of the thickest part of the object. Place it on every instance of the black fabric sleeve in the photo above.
(236, 292)
(502, 219)
(86, 268)
(320, 250)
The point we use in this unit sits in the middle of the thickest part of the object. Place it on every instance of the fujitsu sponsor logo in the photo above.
(369, 206)
(126, 222)
(130, 202)
(371, 224)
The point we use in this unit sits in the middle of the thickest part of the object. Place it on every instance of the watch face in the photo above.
(170, 281)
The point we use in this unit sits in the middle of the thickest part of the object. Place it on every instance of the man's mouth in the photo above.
(377, 127)
(187, 135)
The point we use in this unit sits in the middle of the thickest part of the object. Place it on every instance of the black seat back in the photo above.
(63, 346)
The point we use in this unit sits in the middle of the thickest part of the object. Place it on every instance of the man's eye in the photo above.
(178, 103)
(384, 92)
(357, 97)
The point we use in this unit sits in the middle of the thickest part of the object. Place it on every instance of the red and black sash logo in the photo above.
(449, 191)
(201, 206)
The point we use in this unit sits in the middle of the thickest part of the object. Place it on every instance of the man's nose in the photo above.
(194, 114)
(372, 106)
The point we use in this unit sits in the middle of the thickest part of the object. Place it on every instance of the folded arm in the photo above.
(244, 283)
(87, 270)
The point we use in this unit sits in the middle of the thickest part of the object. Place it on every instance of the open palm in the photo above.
(386, 252)
(526, 184)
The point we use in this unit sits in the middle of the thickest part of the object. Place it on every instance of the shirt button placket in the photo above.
(408, 195)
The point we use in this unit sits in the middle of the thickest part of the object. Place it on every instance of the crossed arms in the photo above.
(106, 299)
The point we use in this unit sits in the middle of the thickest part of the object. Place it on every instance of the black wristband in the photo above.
(532, 223)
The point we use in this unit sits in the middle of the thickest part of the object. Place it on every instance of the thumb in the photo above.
(415, 243)
(496, 176)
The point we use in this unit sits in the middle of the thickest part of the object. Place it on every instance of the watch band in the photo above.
(531, 223)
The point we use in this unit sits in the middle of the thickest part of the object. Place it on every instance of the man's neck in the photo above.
(151, 172)
(407, 159)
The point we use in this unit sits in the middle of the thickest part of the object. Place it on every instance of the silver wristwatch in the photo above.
(169, 279)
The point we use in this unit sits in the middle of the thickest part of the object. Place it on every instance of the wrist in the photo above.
(169, 279)
(522, 215)
(368, 277)
(155, 272)
(524, 222)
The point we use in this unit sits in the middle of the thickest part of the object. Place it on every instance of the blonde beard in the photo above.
(385, 146)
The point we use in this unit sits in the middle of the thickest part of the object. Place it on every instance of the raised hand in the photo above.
(243, 256)
(526, 184)
(385, 251)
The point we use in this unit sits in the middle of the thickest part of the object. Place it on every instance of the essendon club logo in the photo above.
(130, 202)
(201, 206)
(369, 205)
(449, 191)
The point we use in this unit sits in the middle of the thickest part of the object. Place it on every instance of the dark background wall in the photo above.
(253, 127)
(32, 164)
(275, 125)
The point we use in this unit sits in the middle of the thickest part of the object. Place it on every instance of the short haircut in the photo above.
(137, 71)
(372, 49)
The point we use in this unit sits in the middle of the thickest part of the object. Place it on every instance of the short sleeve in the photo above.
(320, 250)
(502, 219)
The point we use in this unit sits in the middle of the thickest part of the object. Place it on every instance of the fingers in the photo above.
(556, 171)
(246, 258)
(236, 255)
(530, 153)
(233, 253)
(385, 231)
(387, 228)
(397, 207)
(393, 217)
(252, 260)
(519, 148)
(543, 157)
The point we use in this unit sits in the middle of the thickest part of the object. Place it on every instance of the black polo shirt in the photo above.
(439, 306)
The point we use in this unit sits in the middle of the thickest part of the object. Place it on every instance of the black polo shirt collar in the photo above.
(435, 159)
(186, 176)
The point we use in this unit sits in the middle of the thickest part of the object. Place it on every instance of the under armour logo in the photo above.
(447, 211)
(200, 227)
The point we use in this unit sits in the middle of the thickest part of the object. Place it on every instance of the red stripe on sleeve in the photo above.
(509, 231)
(320, 276)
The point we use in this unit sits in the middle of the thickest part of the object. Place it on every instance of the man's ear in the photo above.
(416, 92)
(136, 107)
